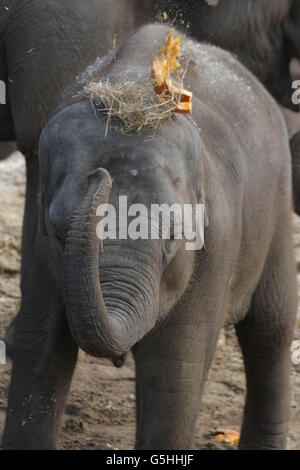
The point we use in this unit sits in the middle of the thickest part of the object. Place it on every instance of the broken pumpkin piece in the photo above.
(229, 436)
(183, 108)
(163, 66)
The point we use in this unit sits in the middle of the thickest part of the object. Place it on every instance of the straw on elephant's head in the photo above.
(131, 106)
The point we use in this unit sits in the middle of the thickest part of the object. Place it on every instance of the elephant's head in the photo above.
(115, 290)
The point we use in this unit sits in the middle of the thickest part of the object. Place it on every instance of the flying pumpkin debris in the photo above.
(230, 436)
(164, 64)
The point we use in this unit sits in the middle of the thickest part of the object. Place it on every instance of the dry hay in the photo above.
(133, 107)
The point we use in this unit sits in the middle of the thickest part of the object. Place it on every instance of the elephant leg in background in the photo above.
(7, 131)
(31, 215)
(30, 223)
(295, 150)
(44, 359)
(265, 336)
(171, 368)
(6, 149)
(292, 120)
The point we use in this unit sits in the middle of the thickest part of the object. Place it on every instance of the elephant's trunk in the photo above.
(111, 329)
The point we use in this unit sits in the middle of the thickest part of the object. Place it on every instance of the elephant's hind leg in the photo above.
(265, 337)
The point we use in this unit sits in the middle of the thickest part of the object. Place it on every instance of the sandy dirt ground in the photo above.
(100, 413)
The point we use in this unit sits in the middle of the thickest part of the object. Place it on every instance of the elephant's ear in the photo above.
(291, 28)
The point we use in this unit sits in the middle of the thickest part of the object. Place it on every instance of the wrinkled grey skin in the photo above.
(43, 46)
(152, 296)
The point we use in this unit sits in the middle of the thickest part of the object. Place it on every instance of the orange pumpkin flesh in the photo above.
(229, 436)
(163, 66)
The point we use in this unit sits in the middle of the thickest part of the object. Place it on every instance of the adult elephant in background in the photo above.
(6, 148)
(6, 125)
(261, 33)
(43, 46)
(292, 28)
(265, 37)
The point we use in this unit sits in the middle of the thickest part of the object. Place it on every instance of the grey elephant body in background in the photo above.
(43, 46)
(263, 34)
(152, 296)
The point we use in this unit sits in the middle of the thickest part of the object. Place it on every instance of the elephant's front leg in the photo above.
(171, 367)
(45, 356)
(30, 222)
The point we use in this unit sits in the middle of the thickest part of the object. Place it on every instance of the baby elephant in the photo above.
(152, 295)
